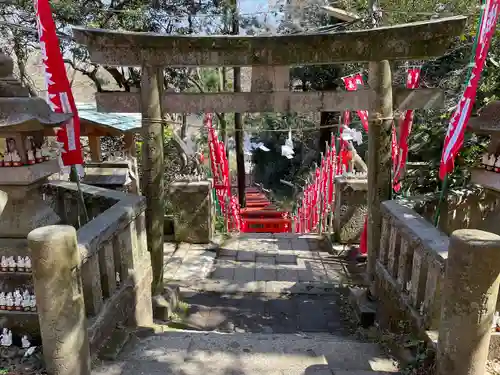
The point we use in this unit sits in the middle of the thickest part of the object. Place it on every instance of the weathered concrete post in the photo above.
(60, 303)
(470, 294)
(153, 169)
(379, 155)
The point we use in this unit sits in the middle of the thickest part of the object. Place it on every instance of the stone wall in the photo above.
(350, 208)
(192, 210)
(63, 199)
(469, 208)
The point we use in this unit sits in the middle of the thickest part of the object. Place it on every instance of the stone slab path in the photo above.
(258, 304)
(258, 263)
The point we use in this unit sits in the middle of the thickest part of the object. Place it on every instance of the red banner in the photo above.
(351, 84)
(456, 129)
(405, 124)
(219, 165)
(394, 146)
(59, 95)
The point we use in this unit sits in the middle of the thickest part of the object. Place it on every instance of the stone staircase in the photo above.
(260, 304)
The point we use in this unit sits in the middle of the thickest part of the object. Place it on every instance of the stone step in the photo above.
(357, 372)
(266, 287)
(258, 313)
(187, 352)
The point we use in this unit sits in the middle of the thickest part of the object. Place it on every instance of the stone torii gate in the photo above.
(270, 55)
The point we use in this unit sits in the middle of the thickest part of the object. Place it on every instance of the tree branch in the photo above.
(200, 88)
(118, 77)
(91, 74)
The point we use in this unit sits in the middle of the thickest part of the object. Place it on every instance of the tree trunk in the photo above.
(325, 134)
(238, 124)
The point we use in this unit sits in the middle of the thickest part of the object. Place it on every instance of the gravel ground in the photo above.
(12, 362)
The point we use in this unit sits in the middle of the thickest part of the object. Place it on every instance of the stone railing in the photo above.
(411, 263)
(115, 265)
(410, 270)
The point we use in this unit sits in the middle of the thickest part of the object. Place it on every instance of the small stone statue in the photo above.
(38, 155)
(16, 159)
(27, 264)
(33, 303)
(30, 351)
(491, 162)
(497, 165)
(30, 155)
(485, 160)
(7, 160)
(12, 264)
(25, 304)
(3, 301)
(408, 286)
(25, 343)
(9, 301)
(4, 264)
(18, 300)
(6, 339)
(45, 153)
(20, 264)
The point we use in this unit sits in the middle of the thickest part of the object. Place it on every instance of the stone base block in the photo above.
(350, 209)
(364, 309)
(193, 211)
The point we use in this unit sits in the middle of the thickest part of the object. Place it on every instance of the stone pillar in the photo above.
(379, 155)
(153, 168)
(193, 211)
(470, 294)
(350, 209)
(60, 303)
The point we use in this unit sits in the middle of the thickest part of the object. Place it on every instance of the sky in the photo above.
(264, 6)
(252, 6)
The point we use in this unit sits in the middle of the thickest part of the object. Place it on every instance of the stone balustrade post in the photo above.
(60, 303)
(470, 294)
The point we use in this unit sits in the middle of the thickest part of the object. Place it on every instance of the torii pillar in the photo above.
(379, 156)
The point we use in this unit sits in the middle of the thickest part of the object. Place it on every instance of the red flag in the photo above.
(405, 124)
(351, 84)
(333, 162)
(214, 162)
(59, 95)
(363, 246)
(456, 129)
(394, 146)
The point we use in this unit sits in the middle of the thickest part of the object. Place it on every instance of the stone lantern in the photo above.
(24, 167)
